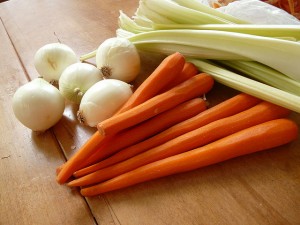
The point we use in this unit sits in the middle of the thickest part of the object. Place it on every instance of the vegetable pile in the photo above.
(164, 126)
(148, 140)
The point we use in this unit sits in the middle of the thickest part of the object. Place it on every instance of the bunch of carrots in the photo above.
(166, 128)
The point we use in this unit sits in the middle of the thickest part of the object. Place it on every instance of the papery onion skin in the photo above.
(51, 59)
(38, 105)
(118, 58)
(76, 79)
(102, 100)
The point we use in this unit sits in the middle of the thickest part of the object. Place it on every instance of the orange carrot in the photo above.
(187, 72)
(193, 87)
(72, 164)
(257, 138)
(229, 107)
(168, 70)
(148, 128)
(213, 131)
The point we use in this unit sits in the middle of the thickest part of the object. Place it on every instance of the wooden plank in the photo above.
(28, 191)
(261, 188)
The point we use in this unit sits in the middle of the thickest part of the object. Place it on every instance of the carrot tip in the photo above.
(71, 184)
(59, 181)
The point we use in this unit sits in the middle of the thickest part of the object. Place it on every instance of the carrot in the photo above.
(193, 87)
(71, 165)
(229, 107)
(187, 72)
(167, 70)
(213, 131)
(257, 138)
(148, 128)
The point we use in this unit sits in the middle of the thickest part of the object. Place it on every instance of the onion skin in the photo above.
(119, 59)
(51, 60)
(76, 79)
(38, 105)
(102, 101)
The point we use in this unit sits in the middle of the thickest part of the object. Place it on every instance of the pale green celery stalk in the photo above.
(249, 86)
(123, 33)
(142, 21)
(180, 14)
(264, 74)
(279, 54)
(254, 29)
(196, 5)
(187, 50)
(155, 17)
(128, 24)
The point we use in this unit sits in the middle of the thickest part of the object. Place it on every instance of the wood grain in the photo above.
(261, 188)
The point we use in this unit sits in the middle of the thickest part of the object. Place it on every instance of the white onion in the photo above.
(51, 60)
(102, 100)
(118, 58)
(76, 79)
(38, 105)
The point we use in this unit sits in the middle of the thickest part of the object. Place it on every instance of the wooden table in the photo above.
(262, 188)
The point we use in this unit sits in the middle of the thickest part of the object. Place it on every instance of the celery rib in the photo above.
(249, 86)
(264, 74)
(187, 50)
(254, 29)
(279, 54)
(196, 5)
(152, 14)
(180, 14)
(128, 24)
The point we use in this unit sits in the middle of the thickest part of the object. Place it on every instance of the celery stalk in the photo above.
(278, 54)
(188, 50)
(254, 29)
(264, 74)
(180, 14)
(128, 24)
(196, 5)
(249, 86)
(123, 33)
(152, 14)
